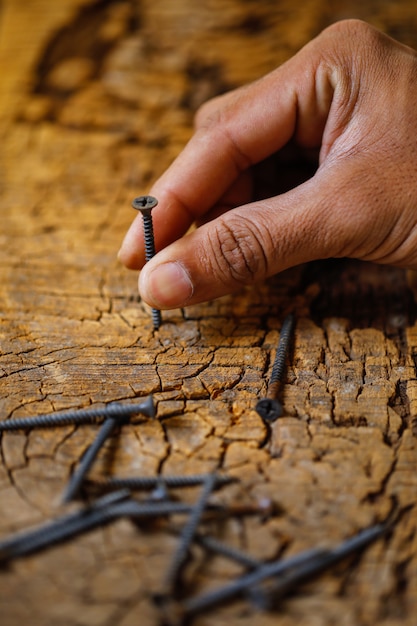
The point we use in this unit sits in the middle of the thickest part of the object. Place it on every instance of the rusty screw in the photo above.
(270, 408)
(145, 204)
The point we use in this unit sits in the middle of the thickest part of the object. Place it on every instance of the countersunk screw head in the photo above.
(269, 409)
(144, 204)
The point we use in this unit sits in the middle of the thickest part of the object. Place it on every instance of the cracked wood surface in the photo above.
(96, 100)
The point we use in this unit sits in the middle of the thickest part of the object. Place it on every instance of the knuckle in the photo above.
(342, 40)
(236, 252)
(218, 110)
(351, 28)
(208, 114)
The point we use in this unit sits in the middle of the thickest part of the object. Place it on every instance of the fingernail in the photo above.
(167, 286)
(121, 254)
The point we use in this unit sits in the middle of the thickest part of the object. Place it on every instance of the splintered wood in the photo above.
(97, 99)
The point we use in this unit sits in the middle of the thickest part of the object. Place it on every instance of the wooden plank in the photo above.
(96, 100)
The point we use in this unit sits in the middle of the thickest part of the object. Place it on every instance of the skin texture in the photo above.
(349, 98)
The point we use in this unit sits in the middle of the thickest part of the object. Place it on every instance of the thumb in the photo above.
(245, 245)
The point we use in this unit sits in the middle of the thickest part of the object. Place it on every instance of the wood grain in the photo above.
(97, 98)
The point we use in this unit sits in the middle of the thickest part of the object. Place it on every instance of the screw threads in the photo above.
(229, 552)
(150, 482)
(100, 513)
(310, 564)
(145, 204)
(270, 408)
(188, 533)
(286, 574)
(148, 236)
(47, 420)
(77, 478)
(156, 318)
(81, 416)
(282, 350)
(240, 585)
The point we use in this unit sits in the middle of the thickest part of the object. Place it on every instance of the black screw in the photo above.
(63, 527)
(270, 408)
(187, 536)
(88, 459)
(150, 482)
(229, 552)
(81, 416)
(103, 511)
(242, 584)
(145, 204)
(288, 573)
(268, 596)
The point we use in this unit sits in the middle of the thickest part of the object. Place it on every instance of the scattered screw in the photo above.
(81, 416)
(229, 552)
(150, 482)
(291, 572)
(267, 598)
(213, 511)
(59, 529)
(237, 510)
(101, 512)
(270, 408)
(240, 585)
(106, 429)
(88, 459)
(160, 492)
(145, 204)
(187, 535)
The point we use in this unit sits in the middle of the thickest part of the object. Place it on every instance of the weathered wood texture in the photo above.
(96, 99)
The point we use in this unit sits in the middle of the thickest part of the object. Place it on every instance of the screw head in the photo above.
(269, 409)
(144, 203)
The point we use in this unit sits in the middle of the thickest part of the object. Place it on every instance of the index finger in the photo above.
(249, 125)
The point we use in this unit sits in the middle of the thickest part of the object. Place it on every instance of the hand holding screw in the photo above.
(145, 204)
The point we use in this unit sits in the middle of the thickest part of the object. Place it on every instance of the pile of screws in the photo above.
(264, 584)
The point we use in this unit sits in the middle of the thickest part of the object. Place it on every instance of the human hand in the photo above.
(350, 94)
